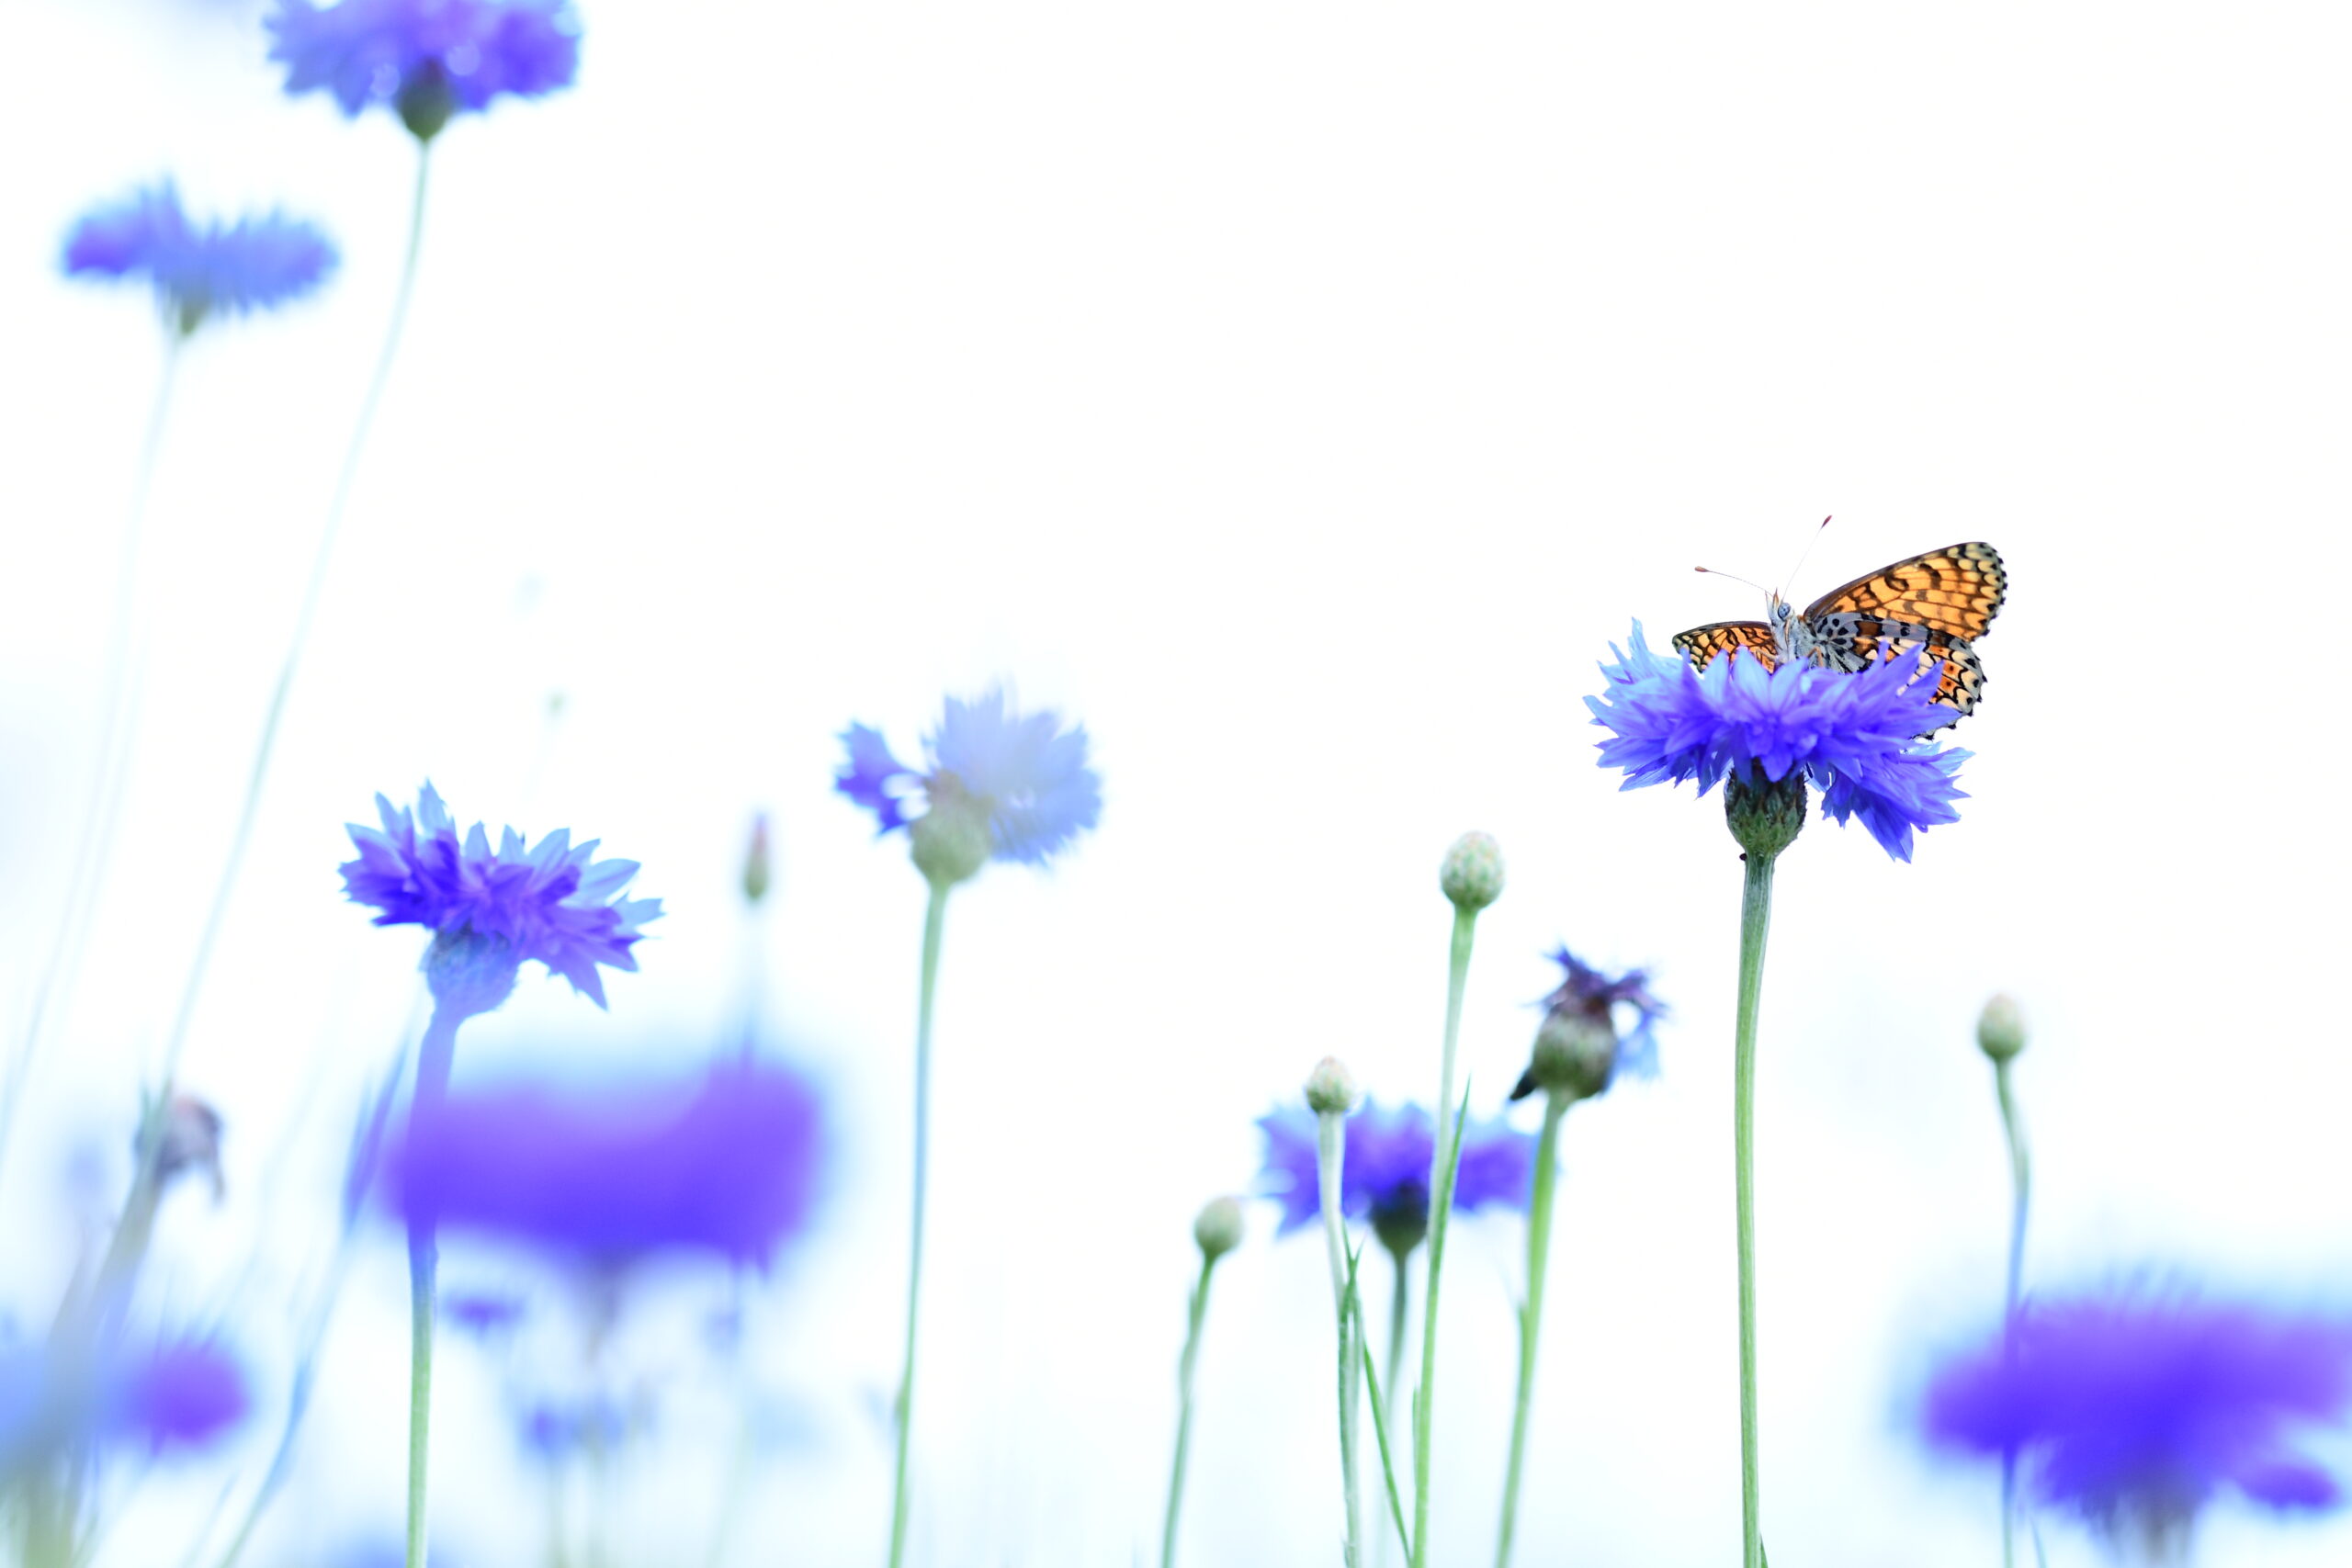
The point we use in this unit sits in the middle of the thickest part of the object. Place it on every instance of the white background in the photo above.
(1303, 396)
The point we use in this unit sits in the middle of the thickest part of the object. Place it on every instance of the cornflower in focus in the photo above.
(1854, 736)
(2135, 1412)
(725, 1165)
(425, 59)
(199, 270)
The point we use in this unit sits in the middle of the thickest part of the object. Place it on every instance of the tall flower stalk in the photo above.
(999, 784)
(1763, 732)
(2000, 1034)
(1331, 1095)
(1471, 877)
(1217, 1232)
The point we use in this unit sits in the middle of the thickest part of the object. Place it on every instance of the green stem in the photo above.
(1199, 1315)
(1755, 924)
(2021, 1183)
(1331, 1148)
(1400, 1298)
(1441, 1201)
(92, 846)
(266, 747)
(1531, 1316)
(933, 919)
(436, 1054)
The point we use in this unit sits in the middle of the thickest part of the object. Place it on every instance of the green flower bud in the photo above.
(1472, 875)
(1218, 1230)
(1766, 818)
(1576, 1053)
(2000, 1028)
(952, 841)
(426, 102)
(756, 876)
(1331, 1088)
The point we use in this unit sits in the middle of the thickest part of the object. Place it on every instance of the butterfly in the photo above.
(1937, 604)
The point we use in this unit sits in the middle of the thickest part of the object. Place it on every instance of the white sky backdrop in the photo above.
(1302, 396)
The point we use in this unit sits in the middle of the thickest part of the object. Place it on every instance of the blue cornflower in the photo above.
(178, 1395)
(1854, 735)
(195, 270)
(725, 1165)
(1020, 775)
(492, 912)
(426, 59)
(2135, 1412)
(1384, 1173)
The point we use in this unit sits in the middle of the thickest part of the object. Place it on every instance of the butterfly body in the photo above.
(1934, 605)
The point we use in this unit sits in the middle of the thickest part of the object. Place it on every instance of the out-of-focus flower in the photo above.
(482, 1313)
(426, 60)
(491, 911)
(1020, 775)
(190, 1142)
(173, 1396)
(1385, 1175)
(199, 270)
(2135, 1410)
(554, 1430)
(1855, 734)
(726, 1165)
(1583, 1043)
(178, 1396)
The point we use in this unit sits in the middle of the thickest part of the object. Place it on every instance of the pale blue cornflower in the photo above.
(1021, 774)
(425, 59)
(199, 270)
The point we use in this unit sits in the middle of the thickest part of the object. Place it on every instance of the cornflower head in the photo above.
(199, 270)
(1384, 1177)
(1001, 784)
(1582, 1047)
(726, 1164)
(2134, 1412)
(1854, 736)
(426, 60)
(492, 910)
(173, 1396)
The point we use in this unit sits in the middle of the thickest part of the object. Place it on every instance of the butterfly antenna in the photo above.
(1805, 554)
(1710, 571)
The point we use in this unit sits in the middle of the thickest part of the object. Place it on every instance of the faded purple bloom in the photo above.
(482, 1313)
(727, 1164)
(2135, 1412)
(1855, 734)
(1595, 994)
(178, 1396)
(426, 59)
(1385, 1174)
(1024, 774)
(555, 905)
(199, 270)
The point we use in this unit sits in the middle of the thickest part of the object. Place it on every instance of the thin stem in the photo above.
(1199, 1313)
(1531, 1316)
(1331, 1148)
(1400, 1300)
(1755, 924)
(436, 1054)
(2021, 1183)
(266, 746)
(93, 846)
(1447, 1151)
(934, 918)
(1380, 1430)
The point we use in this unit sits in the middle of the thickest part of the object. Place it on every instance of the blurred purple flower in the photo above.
(482, 1313)
(1593, 993)
(177, 1395)
(726, 1164)
(1026, 775)
(554, 905)
(426, 58)
(2135, 1412)
(1854, 735)
(553, 1430)
(1385, 1172)
(199, 270)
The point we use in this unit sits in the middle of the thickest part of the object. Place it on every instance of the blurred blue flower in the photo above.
(553, 1430)
(426, 59)
(482, 1313)
(1029, 777)
(1589, 991)
(1384, 1171)
(2134, 1412)
(727, 1164)
(195, 270)
(555, 905)
(1854, 735)
(178, 1395)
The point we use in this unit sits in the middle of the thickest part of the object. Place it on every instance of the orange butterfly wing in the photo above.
(1702, 643)
(1956, 591)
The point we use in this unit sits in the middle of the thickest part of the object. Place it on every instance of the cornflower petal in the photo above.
(383, 52)
(1027, 775)
(200, 270)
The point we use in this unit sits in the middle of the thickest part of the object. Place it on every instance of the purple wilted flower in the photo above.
(1854, 735)
(1595, 997)
(2135, 1412)
(426, 59)
(1021, 774)
(1384, 1173)
(491, 911)
(726, 1165)
(199, 270)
